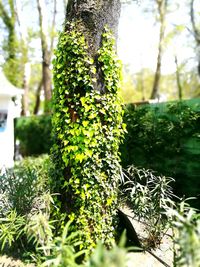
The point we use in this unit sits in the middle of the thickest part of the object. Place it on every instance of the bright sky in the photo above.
(138, 40)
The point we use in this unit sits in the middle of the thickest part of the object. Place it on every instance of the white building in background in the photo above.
(10, 107)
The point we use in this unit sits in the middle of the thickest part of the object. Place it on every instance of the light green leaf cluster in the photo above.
(88, 129)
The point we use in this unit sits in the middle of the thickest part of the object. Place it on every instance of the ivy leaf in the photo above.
(80, 157)
(85, 123)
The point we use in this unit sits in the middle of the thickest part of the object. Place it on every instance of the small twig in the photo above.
(147, 250)
(159, 259)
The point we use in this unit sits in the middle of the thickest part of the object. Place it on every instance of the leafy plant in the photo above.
(11, 229)
(33, 134)
(165, 138)
(185, 222)
(25, 209)
(40, 230)
(148, 195)
(87, 129)
(115, 257)
(20, 187)
(63, 249)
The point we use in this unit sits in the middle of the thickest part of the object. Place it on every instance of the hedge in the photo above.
(33, 134)
(162, 137)
(166, 138)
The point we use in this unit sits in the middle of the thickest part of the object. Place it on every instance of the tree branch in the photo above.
(53, 26)
(194, 26)
(4, 15)
(41, 24)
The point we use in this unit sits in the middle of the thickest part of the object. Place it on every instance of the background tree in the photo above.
(178, 78)
(11, 46)
(87, 118)
(162, 10)
(196, 32)
(47, 48)
(25, 58)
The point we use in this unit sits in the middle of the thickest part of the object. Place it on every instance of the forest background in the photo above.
(158, 43)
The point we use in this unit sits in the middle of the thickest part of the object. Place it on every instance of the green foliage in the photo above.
(25, 207)
(12, 48)
(19, 197)
(63, 249)
(185, 222)
(22, 186)
(87, 126)
(165, 139)
(64, 252)
(115, 257)
(149, 195)
(151, 199)
(32, 234)
(11, 228)
(34, 134)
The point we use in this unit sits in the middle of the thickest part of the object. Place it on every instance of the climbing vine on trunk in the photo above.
(87, 131)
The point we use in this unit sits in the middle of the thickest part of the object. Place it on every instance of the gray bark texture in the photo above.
(196, 31)
(94, 15)
(162, 10)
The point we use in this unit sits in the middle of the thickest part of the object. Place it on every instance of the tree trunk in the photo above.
(46, 78)
(46, 51)
(25, 99)
(87, 118)
(162, 5)
(178, 80)
(25, 60)
(93, 16)
(196, 32)
(37, 102)
(11, 48)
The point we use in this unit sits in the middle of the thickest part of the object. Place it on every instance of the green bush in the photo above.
(21, 186)
(25, 206)
(148, 196)
(165, 139)
(33, 134)
(185, 225)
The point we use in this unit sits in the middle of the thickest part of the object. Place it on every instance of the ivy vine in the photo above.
(87, 128)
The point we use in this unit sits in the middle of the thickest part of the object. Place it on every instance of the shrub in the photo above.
(33, 134)
(21, 186)
(165, 139)
(148, 195)
(185, 222)
(25, 206)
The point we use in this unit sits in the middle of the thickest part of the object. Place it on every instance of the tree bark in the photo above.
(37, 102)
(25, 60)
(178, 80)
(25, 99)
(196, 32)
(93, 16)
(162, 6)
(46, 51)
